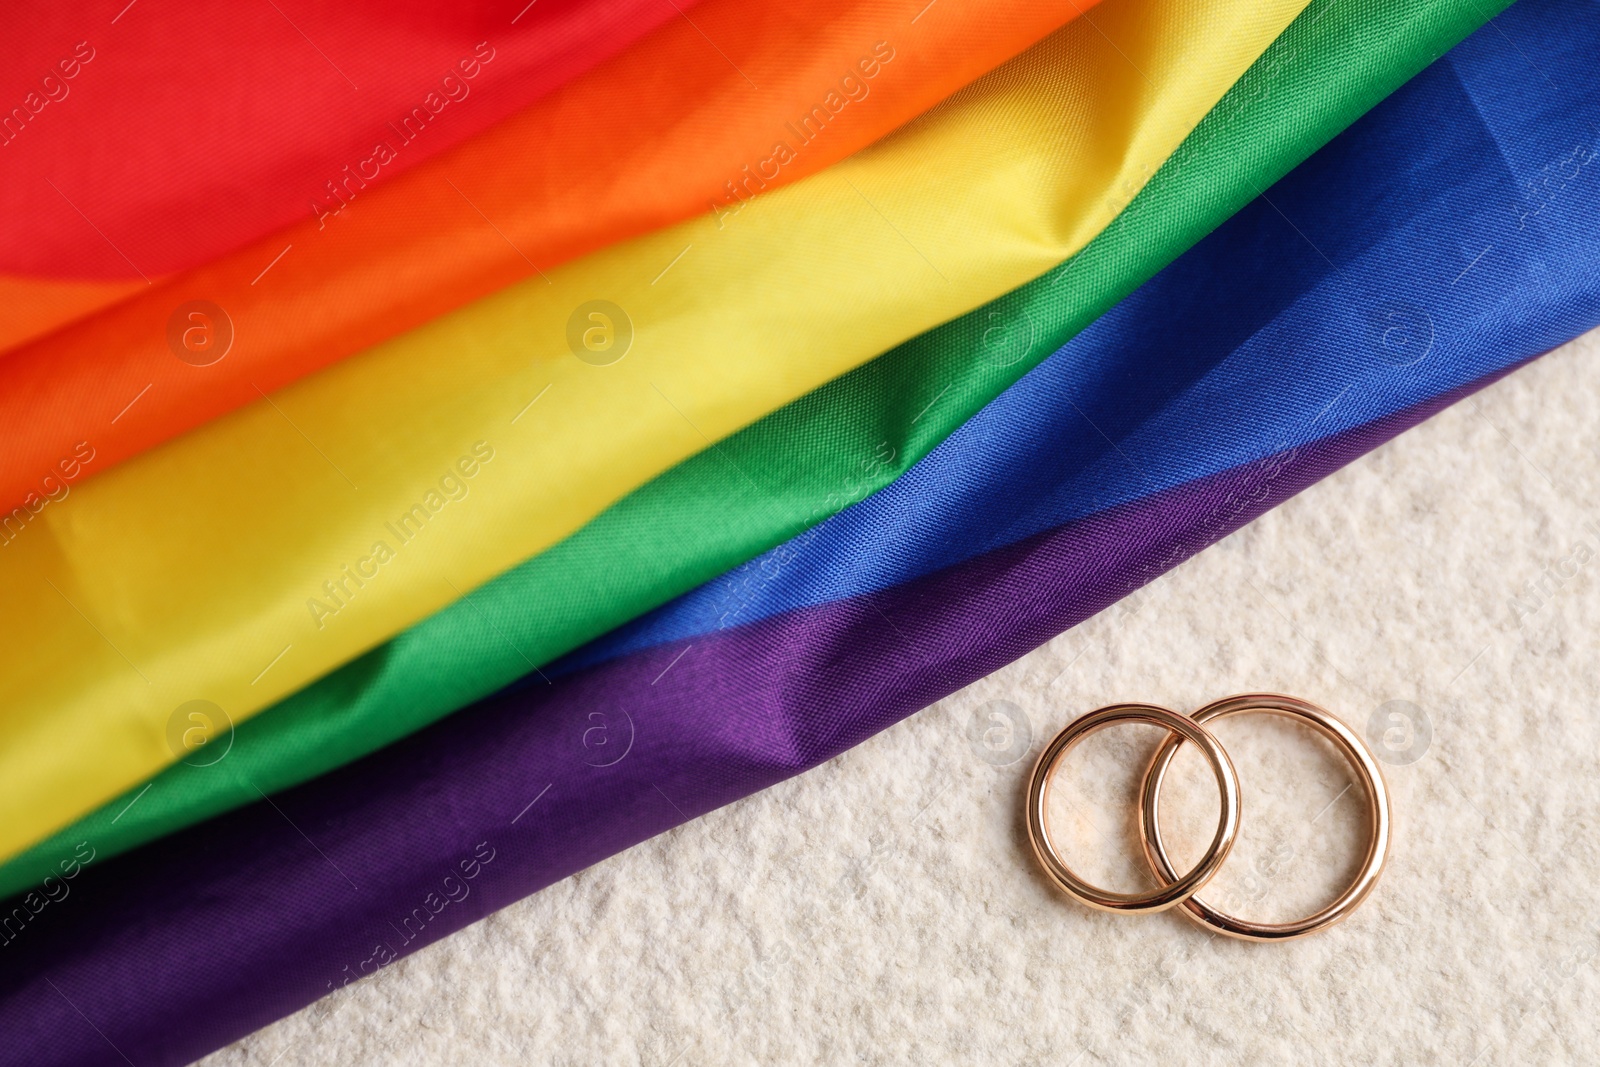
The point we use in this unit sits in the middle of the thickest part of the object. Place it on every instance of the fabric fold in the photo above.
(143, 141)
(677, 137)
(264, 549)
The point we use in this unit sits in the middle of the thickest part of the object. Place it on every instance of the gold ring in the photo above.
(1177, 889)
(1377, 822)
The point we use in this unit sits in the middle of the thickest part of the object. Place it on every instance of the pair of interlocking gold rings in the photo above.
(1174, 890)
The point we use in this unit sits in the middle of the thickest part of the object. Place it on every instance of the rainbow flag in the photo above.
(1085, 432)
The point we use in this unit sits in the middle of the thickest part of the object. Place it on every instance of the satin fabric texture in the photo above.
(140, 140)
(267, 547)
(518, 792)
(672, 126)
(699, 519)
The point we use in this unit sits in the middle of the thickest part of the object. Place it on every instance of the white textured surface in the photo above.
(885, 907)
